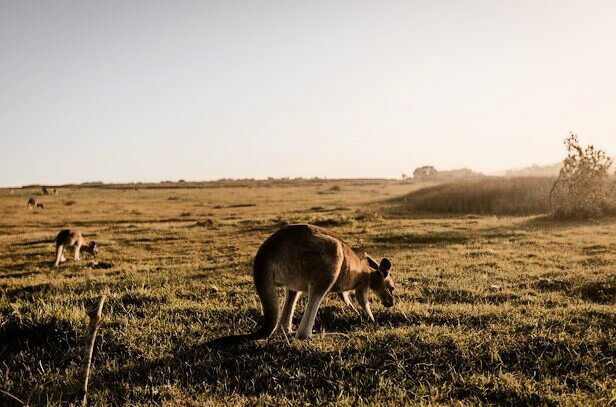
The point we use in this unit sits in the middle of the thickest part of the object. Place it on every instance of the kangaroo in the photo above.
(309, 259)
(73, 238)
(32, 203)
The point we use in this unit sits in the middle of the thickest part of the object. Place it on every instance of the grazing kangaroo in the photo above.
(73, 238)
(309, 259)
(32, 204)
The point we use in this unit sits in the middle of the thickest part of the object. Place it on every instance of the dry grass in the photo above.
(508, 311)
(486, 196)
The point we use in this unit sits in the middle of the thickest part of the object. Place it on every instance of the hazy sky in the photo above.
(157, 90)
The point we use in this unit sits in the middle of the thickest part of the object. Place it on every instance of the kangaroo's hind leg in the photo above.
(310, 313)
(290, 299)
(59, 255)
(318, 289)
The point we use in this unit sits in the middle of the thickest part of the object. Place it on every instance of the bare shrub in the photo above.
(582, 188)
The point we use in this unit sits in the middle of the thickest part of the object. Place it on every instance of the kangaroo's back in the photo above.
(68, 237)
(299, 256)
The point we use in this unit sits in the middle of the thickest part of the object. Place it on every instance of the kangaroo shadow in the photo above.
(335, 318)
(251, 369)
(330, 319)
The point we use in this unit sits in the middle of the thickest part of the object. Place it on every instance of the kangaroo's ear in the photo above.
(373, 264)
(385, 266)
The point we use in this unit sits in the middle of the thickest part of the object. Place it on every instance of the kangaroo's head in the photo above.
(92, 249)
(381, 282)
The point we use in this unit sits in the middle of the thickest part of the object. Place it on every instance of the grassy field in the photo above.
(493, 310)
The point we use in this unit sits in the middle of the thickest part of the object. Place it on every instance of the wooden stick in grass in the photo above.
(95, 313)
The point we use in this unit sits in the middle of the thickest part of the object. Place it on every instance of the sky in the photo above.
(120, 91)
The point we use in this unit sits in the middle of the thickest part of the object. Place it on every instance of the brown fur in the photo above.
(309, 259)
(33, 204)
(73, 238)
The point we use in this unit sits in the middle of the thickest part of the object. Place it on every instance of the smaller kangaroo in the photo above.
(73, 238)
(33, 204)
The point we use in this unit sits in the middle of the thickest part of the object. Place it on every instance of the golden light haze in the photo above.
(148, 91)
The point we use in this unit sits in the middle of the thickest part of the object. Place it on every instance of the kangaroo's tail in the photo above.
(266, 289)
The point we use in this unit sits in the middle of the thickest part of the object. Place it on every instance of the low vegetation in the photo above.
(583, 189)
(507, 311)
(483, 196)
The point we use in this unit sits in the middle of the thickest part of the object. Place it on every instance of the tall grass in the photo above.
(490, 195)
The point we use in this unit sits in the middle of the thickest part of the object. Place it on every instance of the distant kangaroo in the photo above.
(309, 259)
(32, 204)
(73, 238)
